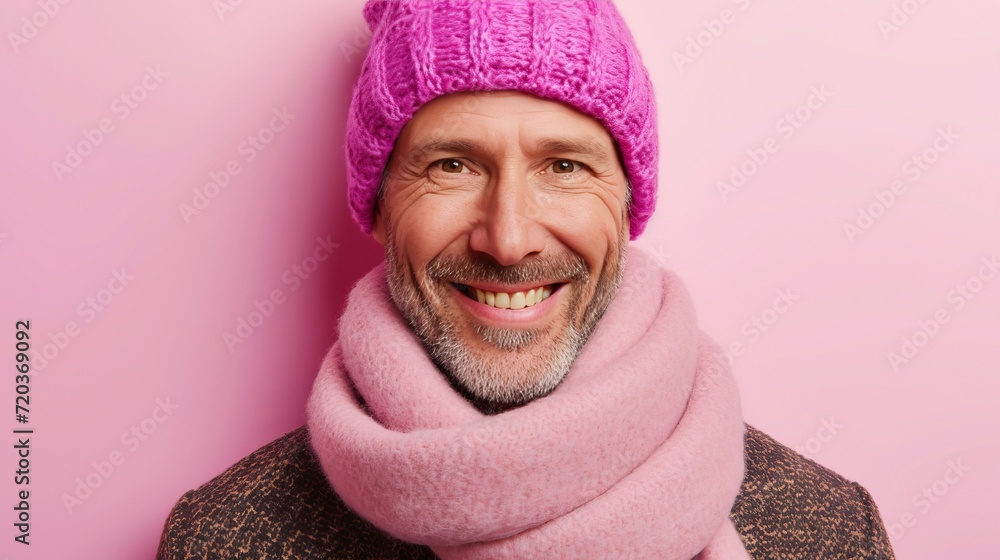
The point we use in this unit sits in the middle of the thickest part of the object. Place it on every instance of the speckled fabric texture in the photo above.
(276, 503)
(579, 52)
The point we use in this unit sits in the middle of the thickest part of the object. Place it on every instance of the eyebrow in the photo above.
(590, 149)
(425, 150)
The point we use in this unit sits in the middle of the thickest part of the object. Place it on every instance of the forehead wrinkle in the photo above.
(594, 149)
(492, 143)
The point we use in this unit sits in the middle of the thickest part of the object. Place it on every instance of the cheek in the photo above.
(425, 228)
(588, 224)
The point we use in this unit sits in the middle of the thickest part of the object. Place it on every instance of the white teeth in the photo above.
(515, 300)
(502, 300)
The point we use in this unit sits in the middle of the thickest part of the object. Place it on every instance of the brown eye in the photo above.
(565, 166)
(452, 166)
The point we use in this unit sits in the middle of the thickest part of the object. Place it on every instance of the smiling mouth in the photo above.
(508, 300)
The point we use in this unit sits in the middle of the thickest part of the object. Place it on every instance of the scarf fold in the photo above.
(637, 454)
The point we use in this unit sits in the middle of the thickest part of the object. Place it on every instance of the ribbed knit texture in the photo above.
(579, 52)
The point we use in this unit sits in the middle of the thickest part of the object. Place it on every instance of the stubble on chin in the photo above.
(501, 368)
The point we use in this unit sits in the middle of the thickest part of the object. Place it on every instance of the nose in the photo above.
(510, 227)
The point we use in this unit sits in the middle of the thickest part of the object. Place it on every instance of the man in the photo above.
(516, 381)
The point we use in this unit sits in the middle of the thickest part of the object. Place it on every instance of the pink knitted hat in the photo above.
(579, 52)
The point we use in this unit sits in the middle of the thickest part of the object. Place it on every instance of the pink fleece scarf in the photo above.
(637, 454)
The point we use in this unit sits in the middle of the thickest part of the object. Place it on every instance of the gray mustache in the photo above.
(482, 268)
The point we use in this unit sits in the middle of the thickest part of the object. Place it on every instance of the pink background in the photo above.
(819, 379)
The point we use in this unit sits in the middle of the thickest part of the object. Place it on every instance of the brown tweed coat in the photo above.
(276, 503)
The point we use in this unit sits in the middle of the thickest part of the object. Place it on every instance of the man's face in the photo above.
(505, 220)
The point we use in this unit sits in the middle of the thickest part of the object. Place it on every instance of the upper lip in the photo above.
(508, 288)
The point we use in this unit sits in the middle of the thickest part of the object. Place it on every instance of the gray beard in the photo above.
(497, 383)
